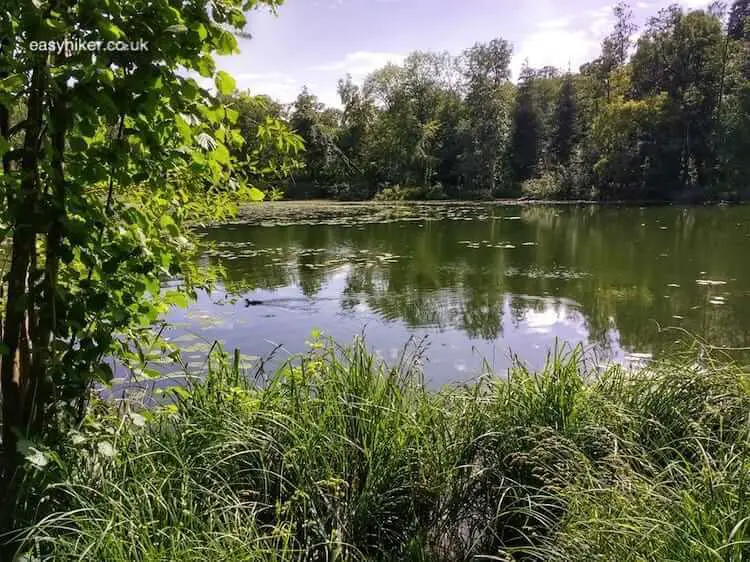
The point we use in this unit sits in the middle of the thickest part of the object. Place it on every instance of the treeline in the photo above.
(666, 117)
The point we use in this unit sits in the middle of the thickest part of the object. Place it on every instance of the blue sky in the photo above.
(316, 42)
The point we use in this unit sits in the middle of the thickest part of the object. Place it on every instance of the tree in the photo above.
(487, 75)
(626, 134)
(565, 122)
(115, 151)
(682, 55)
(318, 127)
(739, 17)
(545, 86)
(615, 47)
(451, 140)
(260, 162)
(525, 143)
(735, 111)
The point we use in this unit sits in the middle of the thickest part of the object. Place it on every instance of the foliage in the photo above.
(268, 153)
(565, 137)
(739, 17)
(110, 156)
(488, 102)
(525, 147)
(338, 456)
(547, 187)
(461, 122)
(398, 193)
(626, 133)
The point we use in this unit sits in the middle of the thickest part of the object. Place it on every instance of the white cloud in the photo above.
(275, 84)
(329, 96)
(555, 47)
(695, 4)
(602, 20)
(361, 63)
(555, 24)
(604, 10)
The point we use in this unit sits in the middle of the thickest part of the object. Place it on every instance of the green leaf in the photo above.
(205, 66)
(184, 128)
(225, 83)
(165, 221)
(256, 194)
(232, 115)
(237, 139)
(111, 31)
(54, 24)
(12, 83)
(227, 44)
(181, 392)
(177, 28)
(180, 300)
(200, 29)
(106, 372)
(221, 154)
(107, 76)
(168, 224)
(190, 89)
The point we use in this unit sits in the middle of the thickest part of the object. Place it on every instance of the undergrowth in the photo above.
(338, 456)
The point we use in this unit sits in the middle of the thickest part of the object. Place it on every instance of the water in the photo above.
(482, 283)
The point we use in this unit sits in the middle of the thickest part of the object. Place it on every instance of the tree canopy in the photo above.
(107, 154)
(663, 117)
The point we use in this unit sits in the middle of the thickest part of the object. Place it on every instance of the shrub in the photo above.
(398, 193)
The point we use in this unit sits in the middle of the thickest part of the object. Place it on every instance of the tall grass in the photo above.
(338, 456)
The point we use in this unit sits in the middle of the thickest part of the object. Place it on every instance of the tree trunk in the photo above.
(44, 328)
(16, 376)
(17, 383)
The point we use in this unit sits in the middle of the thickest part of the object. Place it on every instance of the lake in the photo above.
(476, 284)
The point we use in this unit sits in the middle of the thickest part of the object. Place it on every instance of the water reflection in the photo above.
(485, 281)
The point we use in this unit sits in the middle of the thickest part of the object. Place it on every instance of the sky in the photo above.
(314, 43)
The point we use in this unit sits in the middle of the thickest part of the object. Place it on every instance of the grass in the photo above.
(338, 456)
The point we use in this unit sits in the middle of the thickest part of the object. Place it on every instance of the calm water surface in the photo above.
(479, 282)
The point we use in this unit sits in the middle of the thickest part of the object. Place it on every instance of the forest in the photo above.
(665, 117)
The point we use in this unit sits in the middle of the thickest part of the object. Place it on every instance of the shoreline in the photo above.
(504, 202)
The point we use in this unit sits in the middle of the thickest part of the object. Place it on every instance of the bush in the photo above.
(398, 193)
(349, 191)
(570, 181)
(546, 187)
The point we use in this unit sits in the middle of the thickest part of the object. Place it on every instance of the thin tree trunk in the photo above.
(5, 133)
(47, 314)
(15, 371)
(4, 112)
